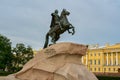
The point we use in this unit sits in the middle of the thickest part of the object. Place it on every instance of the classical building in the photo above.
(103, 59)
(36, 51)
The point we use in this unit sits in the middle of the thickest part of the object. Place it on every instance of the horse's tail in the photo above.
(46, 41)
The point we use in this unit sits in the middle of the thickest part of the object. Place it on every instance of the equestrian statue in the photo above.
(59, 24)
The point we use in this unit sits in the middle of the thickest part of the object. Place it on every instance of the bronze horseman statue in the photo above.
(59, 24)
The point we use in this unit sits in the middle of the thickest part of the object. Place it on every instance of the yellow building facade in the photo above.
(36, 51)
(103, 59)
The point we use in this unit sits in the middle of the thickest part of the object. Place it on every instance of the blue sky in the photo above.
(28, 21)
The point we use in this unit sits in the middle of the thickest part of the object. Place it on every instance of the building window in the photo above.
(95, 62)
(114, 69)
(104, 69)
(114, 62)
(94, 69)
(98, 62)
(110, 62)
(90, 69)
(98, 69)
(109, 69)
(99, 54)
(91, 54)
(90, 61)
(95, 54)
(119, 70)
(106, 62)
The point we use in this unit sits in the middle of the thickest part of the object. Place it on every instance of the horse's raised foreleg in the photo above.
(69, 31)
(73, 30)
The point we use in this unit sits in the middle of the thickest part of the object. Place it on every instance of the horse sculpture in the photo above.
(56, 31)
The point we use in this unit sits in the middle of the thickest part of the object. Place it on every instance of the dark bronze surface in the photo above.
(59, 24)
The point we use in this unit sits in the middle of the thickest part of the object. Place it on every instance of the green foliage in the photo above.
(108, 78)
(6, 55)
(4, 73)
(13, 59)
(22, 55)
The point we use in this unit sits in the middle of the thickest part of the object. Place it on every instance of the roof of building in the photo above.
(117, 45)
(106, 46)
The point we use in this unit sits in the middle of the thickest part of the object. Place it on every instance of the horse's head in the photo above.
(65, 12)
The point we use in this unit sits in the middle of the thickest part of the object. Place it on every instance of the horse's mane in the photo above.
(61, 15)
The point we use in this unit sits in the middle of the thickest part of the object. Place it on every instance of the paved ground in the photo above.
(10, 77)
(2, 77)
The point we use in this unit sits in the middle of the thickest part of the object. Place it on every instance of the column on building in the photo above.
(86, 60)
(103, 59)
(111, 58)
(116, 58)
(107, 58)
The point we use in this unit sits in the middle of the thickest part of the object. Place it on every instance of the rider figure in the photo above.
(55, 19)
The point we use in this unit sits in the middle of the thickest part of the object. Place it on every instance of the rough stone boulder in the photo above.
(61, 61)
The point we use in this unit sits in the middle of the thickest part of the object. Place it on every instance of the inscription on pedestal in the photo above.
(50, 52)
